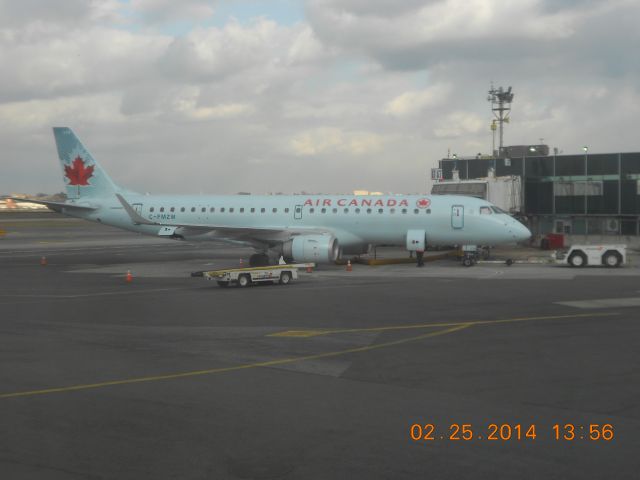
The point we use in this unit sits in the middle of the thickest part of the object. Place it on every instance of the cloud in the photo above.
(188, 105)
(209, 54)
(171, 11)
(68, 13)
(410, 103)
(357, 94)
(458, 124)
(327, 139)
(43, 62)
(420, 34)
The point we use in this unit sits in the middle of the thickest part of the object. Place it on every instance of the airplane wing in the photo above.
(227, 231)
(55, 206)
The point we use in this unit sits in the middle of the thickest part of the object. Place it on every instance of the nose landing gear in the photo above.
(469, 255)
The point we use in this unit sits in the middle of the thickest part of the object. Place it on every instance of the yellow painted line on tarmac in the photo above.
(247, 366)
(316, 333)
(301, 333)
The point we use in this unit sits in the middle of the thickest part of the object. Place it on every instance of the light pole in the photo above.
(455, 167)
(586, 221)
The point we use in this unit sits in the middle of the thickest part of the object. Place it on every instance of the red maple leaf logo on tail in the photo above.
(77, 173)
(423, 203)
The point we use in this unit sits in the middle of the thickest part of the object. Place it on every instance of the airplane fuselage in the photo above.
(353, 220)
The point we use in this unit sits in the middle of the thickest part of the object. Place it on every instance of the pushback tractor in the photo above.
(607, 255)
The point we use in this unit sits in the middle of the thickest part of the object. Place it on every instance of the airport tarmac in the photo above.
(173, 377)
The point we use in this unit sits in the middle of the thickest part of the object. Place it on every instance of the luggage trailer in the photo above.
(243, 277)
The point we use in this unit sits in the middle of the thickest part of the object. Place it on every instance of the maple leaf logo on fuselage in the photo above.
(77, 173)
(423, 203)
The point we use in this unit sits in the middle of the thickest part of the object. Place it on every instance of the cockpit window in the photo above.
(485, 210)
(499, 210)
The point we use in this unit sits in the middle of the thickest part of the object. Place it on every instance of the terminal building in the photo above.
(585, 195)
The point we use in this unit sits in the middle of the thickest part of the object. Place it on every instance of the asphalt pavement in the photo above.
(528, 371)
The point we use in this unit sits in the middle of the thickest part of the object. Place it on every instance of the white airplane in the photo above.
(301, 228)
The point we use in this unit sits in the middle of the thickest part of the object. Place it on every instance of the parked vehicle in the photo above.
(608, 255)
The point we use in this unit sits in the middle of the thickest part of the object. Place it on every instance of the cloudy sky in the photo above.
(222, 96)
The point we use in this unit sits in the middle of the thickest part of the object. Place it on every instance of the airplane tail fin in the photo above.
(83, 175)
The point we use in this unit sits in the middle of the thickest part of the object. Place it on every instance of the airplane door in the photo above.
(457, 216)
(137, 207)
(297, 212)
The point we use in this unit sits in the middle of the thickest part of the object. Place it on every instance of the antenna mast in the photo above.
(501, 106)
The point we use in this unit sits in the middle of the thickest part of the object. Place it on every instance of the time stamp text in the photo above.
(505, 432)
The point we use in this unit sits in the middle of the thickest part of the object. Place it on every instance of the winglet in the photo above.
(135, 217)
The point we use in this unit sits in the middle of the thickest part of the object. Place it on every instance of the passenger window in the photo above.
(151, 209)
(275, 210)
(222, 210)
(212, 209)
(286, 210)
(357, 210)
(393, 210)
(380, 210)
(262, 210)
(182, 209)
(428, 210)
(173, 209)
(346, 210)
(242, 210)
(204, 209)
(324, 210)
(162, 209)
(485, 211)
(404, 210)
(311, 210)
(231, 210)
(416, 211)
(368, 210)
(335, 210)
(193, 209)
(253, 210)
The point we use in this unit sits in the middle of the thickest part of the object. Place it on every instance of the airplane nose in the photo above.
(520, 232)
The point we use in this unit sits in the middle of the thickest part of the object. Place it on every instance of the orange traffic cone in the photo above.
(309, 268)
(129, 277)
(349, 267)
(43, 260)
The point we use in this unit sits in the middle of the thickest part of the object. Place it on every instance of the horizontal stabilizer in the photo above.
(56, 206)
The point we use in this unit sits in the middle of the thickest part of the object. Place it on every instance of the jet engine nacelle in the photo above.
(312, 248)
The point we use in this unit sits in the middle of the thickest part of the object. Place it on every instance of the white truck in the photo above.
(608, 255)
(243, 277)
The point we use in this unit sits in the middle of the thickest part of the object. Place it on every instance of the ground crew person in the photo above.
(420, 257)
